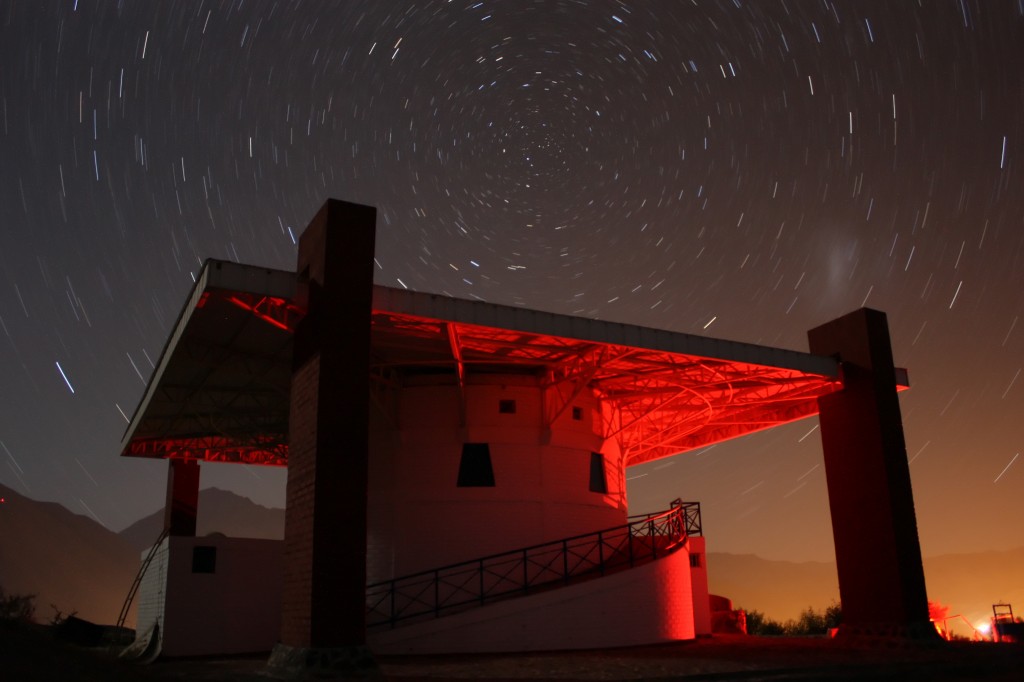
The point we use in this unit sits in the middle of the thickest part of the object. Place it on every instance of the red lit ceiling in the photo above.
(664, 402)
(221, 388)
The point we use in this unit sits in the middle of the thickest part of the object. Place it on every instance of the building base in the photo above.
(323, 663)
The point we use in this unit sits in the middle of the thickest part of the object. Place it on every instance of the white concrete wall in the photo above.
(420, 519)
(699, 586)
(644, 605)
(236, 609)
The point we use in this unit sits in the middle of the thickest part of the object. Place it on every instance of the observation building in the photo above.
(456, 469)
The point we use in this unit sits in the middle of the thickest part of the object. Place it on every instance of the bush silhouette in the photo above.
(810, 623)
(20, 607)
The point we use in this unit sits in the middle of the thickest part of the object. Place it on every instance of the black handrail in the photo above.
(432, 593)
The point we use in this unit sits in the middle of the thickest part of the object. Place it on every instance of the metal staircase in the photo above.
(468, 584)
(133, 590)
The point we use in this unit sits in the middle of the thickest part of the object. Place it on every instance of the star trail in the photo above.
(744, 170)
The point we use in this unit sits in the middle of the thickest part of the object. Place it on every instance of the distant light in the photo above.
(983, 628)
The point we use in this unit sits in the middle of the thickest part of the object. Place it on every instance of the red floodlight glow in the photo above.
(280, 312)
(269, 452)
(657, 403)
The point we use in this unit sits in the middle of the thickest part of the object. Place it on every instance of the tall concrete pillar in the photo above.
(182, 505)
(323, 627)
(878, 554)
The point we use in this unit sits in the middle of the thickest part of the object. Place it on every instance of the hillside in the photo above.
(220, 511)
(779, 589)
(966, 583)
(65, 559)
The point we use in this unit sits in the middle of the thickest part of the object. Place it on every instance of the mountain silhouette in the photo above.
(220, 511)
(65, 559)
(968, 584)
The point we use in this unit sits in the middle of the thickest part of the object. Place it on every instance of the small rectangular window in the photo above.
(507, 406)
(475, 470)
(695, 560)
(598, 481)
(204, 559)
(577, 414)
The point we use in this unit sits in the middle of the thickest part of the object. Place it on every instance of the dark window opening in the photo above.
(577, 413)
(204, 559)
(695, 561)
(475, 470)
(598, 481)
(507, 406)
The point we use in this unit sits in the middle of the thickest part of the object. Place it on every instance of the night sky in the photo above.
(744, 170)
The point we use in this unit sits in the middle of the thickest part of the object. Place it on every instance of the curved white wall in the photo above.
(645, 605)
(419, 517)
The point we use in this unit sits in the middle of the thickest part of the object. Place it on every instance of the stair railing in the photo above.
(133, 590)
(456, 587)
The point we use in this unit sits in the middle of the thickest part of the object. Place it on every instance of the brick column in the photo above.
(182, 504)
(324, 609)
(878, 555)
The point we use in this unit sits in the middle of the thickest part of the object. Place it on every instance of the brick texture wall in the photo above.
(300, 510)
(325, 524)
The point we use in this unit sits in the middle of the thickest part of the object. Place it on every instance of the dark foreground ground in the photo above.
(31, 655)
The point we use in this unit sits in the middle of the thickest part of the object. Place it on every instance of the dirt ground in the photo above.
(731, 658)
(34, 656)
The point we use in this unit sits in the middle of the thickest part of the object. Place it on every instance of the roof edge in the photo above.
(438, 306)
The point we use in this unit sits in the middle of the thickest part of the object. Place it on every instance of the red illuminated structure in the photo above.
(671, 392)
(350, 384)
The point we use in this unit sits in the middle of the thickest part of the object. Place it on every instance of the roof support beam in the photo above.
(460, 368)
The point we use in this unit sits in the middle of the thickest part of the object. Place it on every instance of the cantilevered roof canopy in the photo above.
(221, 389)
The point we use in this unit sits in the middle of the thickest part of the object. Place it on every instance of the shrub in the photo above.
(810, 623)
(762, 625)
(19, 607)
(59, 617)
(833, 616)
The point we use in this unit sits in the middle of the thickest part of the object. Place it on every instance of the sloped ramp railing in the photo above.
(468, 584)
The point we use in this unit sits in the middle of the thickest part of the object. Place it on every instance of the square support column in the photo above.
(878, 554)
(323, 626)
(182, 505)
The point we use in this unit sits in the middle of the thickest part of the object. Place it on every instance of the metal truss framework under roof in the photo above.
(220, 391)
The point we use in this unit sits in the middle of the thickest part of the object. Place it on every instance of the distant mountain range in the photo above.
(220, 511)
(966, 583)
(75, 563)
(65, 559)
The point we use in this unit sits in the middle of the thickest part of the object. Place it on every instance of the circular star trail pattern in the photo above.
(745, 170)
